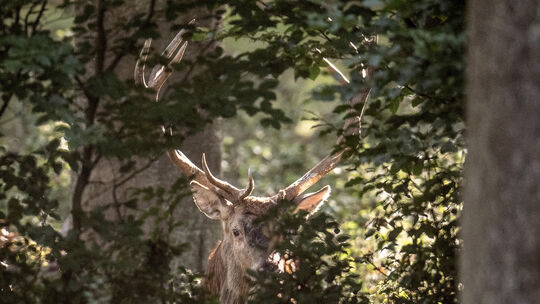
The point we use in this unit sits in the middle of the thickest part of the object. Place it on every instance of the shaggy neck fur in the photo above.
(215, 272)
(224, 277)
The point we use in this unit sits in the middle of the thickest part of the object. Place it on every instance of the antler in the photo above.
(159, 75)
(331, 161)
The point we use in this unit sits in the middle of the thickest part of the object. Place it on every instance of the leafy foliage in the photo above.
(401, 200)
(413, 151)
(408, 164)
(315, 265)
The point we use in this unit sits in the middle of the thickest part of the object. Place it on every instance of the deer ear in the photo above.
(312, 201)
(209, 202)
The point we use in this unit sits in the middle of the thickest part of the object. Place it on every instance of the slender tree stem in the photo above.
(93, 103)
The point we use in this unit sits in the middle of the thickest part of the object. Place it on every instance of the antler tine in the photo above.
(177, 157)
(251, 185)
(342, 78)
(233, 192)
(139, 66)
(326, 165)
(160, 73)
(177, 40)
(187, 167)
(329, 162)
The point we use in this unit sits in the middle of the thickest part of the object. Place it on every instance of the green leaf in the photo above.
(314, 71)
(394, 105)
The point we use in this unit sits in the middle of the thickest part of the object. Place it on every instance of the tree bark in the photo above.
(501, 217)
(200, 232)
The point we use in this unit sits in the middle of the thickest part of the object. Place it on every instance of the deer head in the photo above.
(246, 243)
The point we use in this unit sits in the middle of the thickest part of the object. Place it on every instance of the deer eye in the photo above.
(236, 232)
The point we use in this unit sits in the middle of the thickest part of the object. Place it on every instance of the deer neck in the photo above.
(225, 277)
(215, 272)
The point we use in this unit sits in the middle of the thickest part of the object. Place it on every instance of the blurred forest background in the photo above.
(80, 146)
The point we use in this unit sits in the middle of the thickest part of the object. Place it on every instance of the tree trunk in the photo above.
(200, 232)
(501, 217)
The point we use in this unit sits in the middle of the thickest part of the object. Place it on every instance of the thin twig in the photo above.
(30, 11)
(18, 14)
(116, 60)
(101, 42)
(123, 181)
(116, 203)
(192, 66)
(134, 173)
(377, 268)
(86, 93)
(325, 36)
(150, 12)
(4, 106)
(129, 44)
(38, 18)
(420, 93)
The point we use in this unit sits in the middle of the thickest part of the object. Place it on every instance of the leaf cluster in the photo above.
(403, 183)
(312, 260)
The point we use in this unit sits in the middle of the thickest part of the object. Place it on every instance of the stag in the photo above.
(245, 244)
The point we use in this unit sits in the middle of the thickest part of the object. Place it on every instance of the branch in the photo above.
(4, 106)
(129, 44)
(18, 14)
(38, 18)
(30, 11)
(101, 43)
(325, 36)
(82, 181)
(93, 103)
(192, 65)
(134, 173)
(116, 203)
(420, 93)
(86, 93)
(115, 61)
(150, 12)
(116, 183)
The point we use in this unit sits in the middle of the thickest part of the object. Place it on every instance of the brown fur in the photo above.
(225, 279)
(215, 272)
